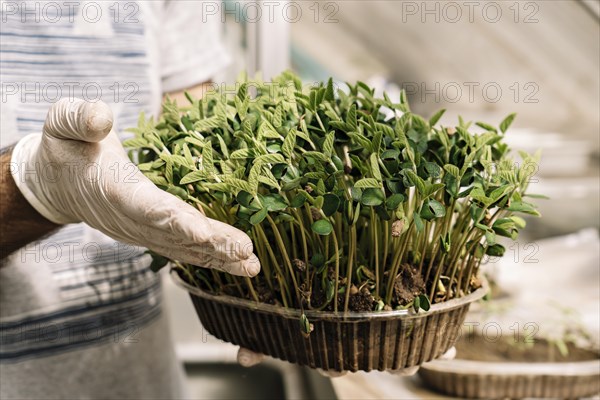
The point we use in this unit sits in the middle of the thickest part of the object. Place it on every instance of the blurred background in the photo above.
(482, 60)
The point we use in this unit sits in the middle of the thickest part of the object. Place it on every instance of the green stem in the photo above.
(251, 288)
(260, 249)
(397, 262)
(375, 248)
(286, 258)
(438, 273)
(351, 254)
(285, 290)
(386, 239)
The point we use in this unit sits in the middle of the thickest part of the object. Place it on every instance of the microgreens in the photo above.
(339, 198)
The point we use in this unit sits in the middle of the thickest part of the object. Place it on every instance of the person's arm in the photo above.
(20, 222)
(77, 171)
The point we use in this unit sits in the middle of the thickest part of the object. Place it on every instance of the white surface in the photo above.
(553, 282)
(562, 154)
(573, 204)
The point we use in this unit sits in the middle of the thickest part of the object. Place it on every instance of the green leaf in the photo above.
(177, 191)
(436, 117)
(431, 189)
(321, 187)
(505, 124)
(322, 227)
(496, 250)
(485, 126)
(432, 209)
(375, 167)
(244, 198)
(451, 184)
(242, 154)
(351, 117)
(136, 143)
(157, 261)
(537, 196)
(240, 184)
(445, 242)
(292, 184)
(331, 203)
(416, 304)
(169, 171)
(490, 237)
(372, 197)
(478, 194)
(356, 193)
(394, 201)
(329, 93)
(328, 143)
(317, 260)
(418, 222)
(316, 155)
(524, 207)
(273, 202)
(289, 143)
(269, 181)
(278, 116)
(192, 177)
(298, 201)
(330, 291)
(417, 181)
(424, 303)
(259, 216)
(367, 183)
(391, 154)
(305, 325)
(452, 170)
(476, 213)
(395, 185)
(269, 159)
(519, 222)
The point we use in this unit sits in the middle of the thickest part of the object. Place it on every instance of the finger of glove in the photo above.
(220, 240)
(248, 358)
(248, 267)
(180, 226)
(76, 119)
(125, 229)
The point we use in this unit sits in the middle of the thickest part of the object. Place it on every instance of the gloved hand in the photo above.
(248, 358)
(77, 171)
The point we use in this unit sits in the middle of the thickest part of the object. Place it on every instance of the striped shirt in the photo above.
(80, 314)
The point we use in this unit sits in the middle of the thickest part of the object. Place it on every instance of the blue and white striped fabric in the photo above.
(77, 297)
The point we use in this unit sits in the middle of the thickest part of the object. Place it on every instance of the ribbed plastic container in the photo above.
(496, 380)
(383, 340)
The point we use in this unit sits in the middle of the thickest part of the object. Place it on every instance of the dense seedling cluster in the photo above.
(353, 202)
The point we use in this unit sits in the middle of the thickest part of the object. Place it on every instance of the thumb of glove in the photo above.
(76, 119)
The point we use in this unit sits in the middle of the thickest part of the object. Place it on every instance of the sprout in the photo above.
(335, 196)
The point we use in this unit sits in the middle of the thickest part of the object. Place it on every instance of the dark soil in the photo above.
(265, 294)
(504, 349)
(408, 285)
(361, 301)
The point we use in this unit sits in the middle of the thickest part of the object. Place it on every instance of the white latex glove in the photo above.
(77, 171)
(248, 358)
